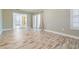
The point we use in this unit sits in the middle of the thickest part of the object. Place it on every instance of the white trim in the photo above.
(0, 32)
(63, 34)
(7, 29)
(71, 21)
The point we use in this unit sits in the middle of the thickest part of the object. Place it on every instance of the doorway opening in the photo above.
(19, 21)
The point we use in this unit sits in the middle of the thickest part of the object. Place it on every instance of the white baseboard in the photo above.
(0, 32)
(63, 34)
(7, 29)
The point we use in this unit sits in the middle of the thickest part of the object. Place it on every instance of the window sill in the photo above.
(74, 28)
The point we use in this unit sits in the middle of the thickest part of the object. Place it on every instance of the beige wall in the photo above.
(0, 21)
(7, 19)
(59, 20)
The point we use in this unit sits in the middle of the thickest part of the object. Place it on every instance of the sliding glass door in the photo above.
(19, 20)
(36, 21)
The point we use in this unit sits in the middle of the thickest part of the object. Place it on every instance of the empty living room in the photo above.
(39, 28)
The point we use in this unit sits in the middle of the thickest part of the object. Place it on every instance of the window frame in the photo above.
(71, 21)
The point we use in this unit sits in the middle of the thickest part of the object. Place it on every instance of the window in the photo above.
(19, 20)
(36, 21)
(75, 19)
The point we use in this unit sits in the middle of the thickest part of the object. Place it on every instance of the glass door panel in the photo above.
(36, 22)
(19, 20)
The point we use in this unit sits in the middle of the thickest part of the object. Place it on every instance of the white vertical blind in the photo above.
(17, 20)
(36, 21)
(75, 19)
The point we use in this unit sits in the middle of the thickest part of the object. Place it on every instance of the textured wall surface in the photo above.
(0, 21)
(7, 19)
(59, 20)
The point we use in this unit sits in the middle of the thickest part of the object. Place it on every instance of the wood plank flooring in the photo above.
(22, 39)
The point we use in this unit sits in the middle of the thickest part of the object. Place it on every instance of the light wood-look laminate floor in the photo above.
(22, 39)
